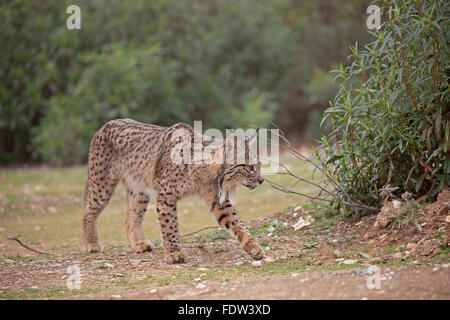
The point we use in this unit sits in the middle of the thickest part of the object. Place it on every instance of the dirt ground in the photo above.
(400, 253)
(426, 282)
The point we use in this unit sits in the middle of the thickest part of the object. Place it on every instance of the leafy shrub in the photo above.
(391, 117)
(228, 63)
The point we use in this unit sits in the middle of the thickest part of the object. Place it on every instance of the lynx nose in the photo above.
(260, 180)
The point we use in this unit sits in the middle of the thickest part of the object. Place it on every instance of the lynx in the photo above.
(139, 155)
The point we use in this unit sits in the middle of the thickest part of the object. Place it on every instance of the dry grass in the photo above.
(44, 207)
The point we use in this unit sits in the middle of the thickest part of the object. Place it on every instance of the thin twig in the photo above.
(29, 248)
(348, 201)
(302, 157)
(205, 228)
(414, 248)
(350, 204)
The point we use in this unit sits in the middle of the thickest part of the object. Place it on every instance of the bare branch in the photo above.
(347, 200)
(350, 204)
(27, 247)
(205, 228)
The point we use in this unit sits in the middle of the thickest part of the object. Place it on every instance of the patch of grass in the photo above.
(163, 282)
(219, 234)
(409, 215)
(311, 245)
(389, 249)
(23, 189)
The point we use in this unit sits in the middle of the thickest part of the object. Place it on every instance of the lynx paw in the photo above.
(143, 246)
(254, 250)
(176, 257)
(92, 247)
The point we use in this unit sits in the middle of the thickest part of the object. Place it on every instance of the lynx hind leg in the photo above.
(137, 206)
(100, 187)
(97, 196)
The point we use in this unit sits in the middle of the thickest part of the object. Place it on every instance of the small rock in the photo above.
(390, 211)
(200, 286)
(350, 261)
(303, 222)
(197, 279)
(335, 241)
(436, 251)
(119, 275)
(107, 265)
(269, 259)
(116, 296)
(374, 260)
(34, 287)
(239, 263)
(52, 209)
(397, 204)
(337, 253)
(447, 219)
(153, 291)
(257, 263)
(364, 255)
(410, 246)
(397, 256)
(295, 274)
(271, 229)
(202, 269)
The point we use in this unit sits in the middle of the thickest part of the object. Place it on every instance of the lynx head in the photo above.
(241, 166)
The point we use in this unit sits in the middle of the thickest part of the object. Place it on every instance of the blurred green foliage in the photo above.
(234, 63)
(391, 117)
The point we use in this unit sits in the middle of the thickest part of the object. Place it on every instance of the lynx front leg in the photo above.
(228, 217)
(167, 215)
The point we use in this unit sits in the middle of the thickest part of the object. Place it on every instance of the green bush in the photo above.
(391, 117)
(228, 63)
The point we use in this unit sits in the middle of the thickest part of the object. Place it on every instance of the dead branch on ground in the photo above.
(27, 247)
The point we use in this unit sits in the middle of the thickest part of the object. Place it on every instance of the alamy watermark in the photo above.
(237, 147)
(374, 19)
(374, 280)
(74, 20)
(74, 279)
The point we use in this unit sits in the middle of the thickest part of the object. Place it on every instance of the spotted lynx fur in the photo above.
(139, 155)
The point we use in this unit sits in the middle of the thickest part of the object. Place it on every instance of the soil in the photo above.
(327, 259)
(395, 283)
